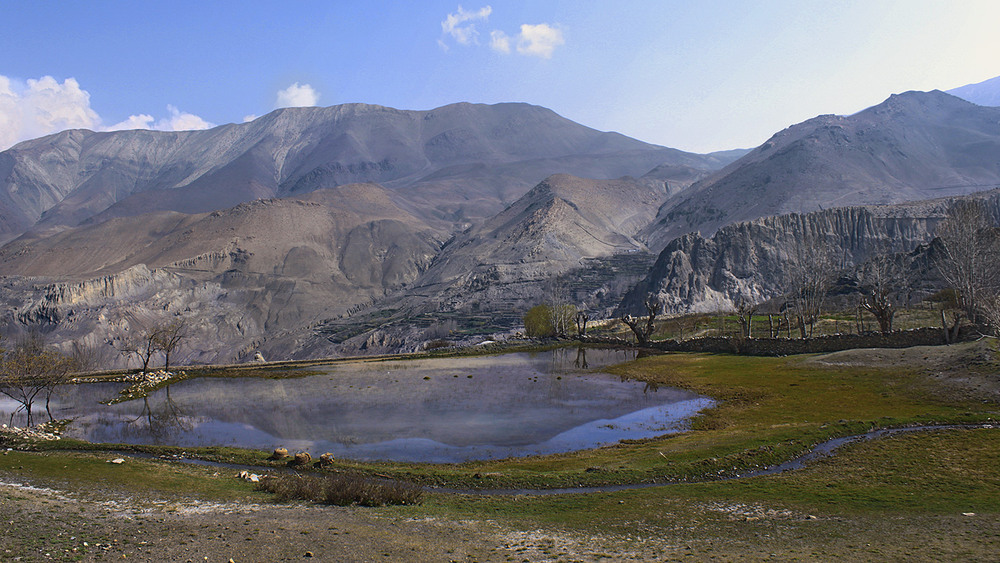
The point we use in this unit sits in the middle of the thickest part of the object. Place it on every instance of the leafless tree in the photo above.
(745, 309)
(644, 332)
(969, 257)
(581, 323)
(561, 317)
(167, 337)
(31, 370)
(143, 346)
(810, 271)
(880, 279)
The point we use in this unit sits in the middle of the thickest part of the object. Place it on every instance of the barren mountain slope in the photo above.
(65, 179)
(913, 146)
(985, 93)
(495, 271)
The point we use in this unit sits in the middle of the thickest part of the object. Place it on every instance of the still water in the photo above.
(432, 410)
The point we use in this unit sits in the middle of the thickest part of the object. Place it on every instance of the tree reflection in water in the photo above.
(165, 420)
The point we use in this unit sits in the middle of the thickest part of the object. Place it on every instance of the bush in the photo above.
(342, 489)
(538, 322)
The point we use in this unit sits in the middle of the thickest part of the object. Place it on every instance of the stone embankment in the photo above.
(48, 432)
(788, 346)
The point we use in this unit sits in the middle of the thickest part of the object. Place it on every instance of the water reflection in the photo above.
(440, 410)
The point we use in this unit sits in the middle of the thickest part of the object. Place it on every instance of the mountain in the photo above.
(564, 227)
(750, 259)
(453, 164)
(242, 278)
(913, 146)
(985, 93)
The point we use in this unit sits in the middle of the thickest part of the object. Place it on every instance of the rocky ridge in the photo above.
(914, 146)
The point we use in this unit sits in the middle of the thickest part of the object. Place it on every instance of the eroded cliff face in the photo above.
(98, 314)
(750, 259)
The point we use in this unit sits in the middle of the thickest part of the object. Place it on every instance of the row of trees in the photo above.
(966, 254)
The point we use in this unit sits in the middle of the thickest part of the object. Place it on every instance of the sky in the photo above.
(697, 75)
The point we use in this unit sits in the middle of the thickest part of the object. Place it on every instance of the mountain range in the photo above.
(352, 229)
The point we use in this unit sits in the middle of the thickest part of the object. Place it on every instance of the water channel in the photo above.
(428, 410)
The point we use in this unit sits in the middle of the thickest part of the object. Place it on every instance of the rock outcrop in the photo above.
(749, 260)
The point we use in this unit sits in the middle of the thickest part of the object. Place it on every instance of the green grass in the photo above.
(92, 472)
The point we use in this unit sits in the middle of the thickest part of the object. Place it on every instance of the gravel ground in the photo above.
(41, 524)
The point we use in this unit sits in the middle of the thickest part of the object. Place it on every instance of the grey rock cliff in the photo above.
(749, 259)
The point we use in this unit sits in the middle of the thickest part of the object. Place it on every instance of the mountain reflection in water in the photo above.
(433, 410)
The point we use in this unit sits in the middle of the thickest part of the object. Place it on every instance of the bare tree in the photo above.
(745, 309)
(142, 346)
(644, 332)
(581, 323)
(167, 338)
(810, 271)
(31, 370)
(880, 279)
(561, 317)
(969, 254)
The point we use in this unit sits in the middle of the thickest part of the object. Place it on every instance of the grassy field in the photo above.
(929, 495)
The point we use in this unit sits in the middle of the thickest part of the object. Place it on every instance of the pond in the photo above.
(438, 410)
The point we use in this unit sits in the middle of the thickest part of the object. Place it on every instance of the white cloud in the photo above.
(539, 40)
(533, 40)
(458, 26)
(499, 42)
(297, 95)
(249, 118)
(35, 108)
(43, 106)
(181, 121)
(141, 121)
(176, 121)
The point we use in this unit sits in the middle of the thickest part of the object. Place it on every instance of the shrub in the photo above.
(538, 322)
(342, 489)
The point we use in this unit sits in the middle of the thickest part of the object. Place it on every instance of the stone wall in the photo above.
(927, 336)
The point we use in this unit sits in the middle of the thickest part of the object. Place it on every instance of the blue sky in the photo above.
(697, 75)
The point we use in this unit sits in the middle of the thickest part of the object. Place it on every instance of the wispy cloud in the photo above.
(461, 26)
(533, 40)
(38, 107)
(296, 96)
